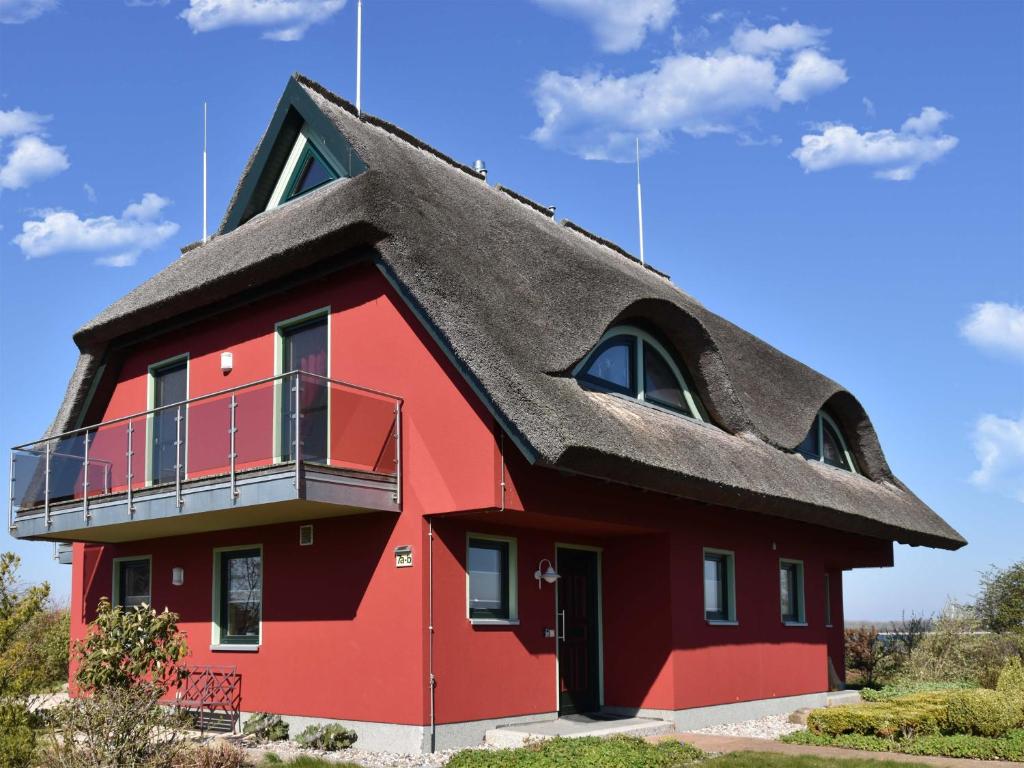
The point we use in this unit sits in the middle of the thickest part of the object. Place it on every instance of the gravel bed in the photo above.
(771, 728)
(287, 750)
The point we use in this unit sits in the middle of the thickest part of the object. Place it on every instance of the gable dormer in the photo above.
(302, 150)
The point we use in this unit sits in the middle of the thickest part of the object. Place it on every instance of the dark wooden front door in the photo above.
(579, 632)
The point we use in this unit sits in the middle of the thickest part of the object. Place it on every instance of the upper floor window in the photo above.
(631, 362)
(306, 169)
(825, 443)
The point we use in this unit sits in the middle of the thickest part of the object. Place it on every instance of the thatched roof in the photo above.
(516, 299)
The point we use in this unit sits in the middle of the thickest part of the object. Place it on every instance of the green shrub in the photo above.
(17, 739)
(328, 738)
(1009, 747)
(899, 690)
(264, 726)
(1011, 679)
(619, 752)
(981, 712)
(908, 716)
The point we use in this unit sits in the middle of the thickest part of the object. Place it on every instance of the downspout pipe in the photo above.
(431, 680)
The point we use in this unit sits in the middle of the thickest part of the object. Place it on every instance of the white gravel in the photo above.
(771, 728)
(287, 750)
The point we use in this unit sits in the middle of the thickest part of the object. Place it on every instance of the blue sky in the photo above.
(845, 180)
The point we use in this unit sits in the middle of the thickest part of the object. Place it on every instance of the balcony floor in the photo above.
(264, 496)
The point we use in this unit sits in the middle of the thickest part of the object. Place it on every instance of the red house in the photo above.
(406, 453)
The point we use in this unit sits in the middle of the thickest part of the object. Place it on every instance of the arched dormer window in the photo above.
(631, 362)
(825, 442)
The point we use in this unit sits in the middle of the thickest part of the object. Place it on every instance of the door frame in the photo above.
(151, 370)
(599, 551)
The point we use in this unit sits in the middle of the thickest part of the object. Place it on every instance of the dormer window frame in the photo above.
(823, 421)
(638, 339)
(302, 151)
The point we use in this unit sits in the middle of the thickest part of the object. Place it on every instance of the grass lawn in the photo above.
(765, 760)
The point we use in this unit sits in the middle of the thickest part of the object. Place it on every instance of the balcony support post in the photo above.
(85, 477)
(10, 508)
(233, 455)
(177, 458)
(46, 486)
(398, 452)
(128, 470)
(298, 440)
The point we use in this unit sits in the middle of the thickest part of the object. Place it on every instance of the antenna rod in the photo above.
(204, 173)
(359, 57)
(639, 201)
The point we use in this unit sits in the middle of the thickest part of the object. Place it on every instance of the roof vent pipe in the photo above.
(480, 167)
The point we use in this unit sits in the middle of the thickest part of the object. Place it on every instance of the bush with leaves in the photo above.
(899, 690)
(115, 726)
(263, 726)
(620, 752)
(865, 653)
(1000, 606)
(982, 712)
(126, 646)
(327, 737)
(17, 737)
(1011, 680)
(959, 649)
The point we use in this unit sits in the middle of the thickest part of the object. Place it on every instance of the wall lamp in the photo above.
(177, 576)
(549, 574)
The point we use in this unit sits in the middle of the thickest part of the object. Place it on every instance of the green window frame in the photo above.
(478, 581)
(719, 576)
(642, 344)
(308, 155)
(791, 592)
(227, 599)
(812, 446)
(122, 593)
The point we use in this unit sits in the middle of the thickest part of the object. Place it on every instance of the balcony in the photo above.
(292, 447)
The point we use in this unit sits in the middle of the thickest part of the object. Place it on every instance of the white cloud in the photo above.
(999, 446)
(598, 116)
(869, 106)
(896, 154)
(17, 121)
(776, 39)
(618, 26)
(284, 20)
(714, 18)
(117, 240)
(20, 11)
(30, 160)
(90, 193)
(810, 74)
(996, 326)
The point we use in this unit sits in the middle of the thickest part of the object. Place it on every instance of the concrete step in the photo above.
(841, 698)
(574, 728)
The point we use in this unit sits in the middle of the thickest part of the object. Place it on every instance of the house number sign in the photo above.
(403, 557)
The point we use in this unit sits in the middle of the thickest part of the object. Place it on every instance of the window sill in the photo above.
(722, 623)
(794, 623)
(494, 622)
(240, 647)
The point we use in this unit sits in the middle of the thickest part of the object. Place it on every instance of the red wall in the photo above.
(344, 631)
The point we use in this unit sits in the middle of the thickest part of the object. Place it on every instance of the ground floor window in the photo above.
(132, 582)
(791, 591)
(490, 574)
(238, 596)
(719, 586)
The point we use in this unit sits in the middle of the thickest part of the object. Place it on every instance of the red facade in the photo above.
(345, 633)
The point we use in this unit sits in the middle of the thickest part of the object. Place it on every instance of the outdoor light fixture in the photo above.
(177, 576)
(227, 362)
(550, 575)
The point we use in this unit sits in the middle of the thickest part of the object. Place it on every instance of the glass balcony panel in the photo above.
(139, 452)
(28, 488)
(108, 458)
(67, 465)
(362, 429)
(255, 414)
(208, 440)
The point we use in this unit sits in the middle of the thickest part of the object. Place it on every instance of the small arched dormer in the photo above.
(631, 362)
(825, 442)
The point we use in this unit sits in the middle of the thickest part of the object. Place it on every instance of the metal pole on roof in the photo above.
(359, 57)
(204, 172)
(639, 201)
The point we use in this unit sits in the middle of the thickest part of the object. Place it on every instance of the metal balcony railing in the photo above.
(295, 418)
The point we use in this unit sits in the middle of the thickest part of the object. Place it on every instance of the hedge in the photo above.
(1009, 747)
(618, 752)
